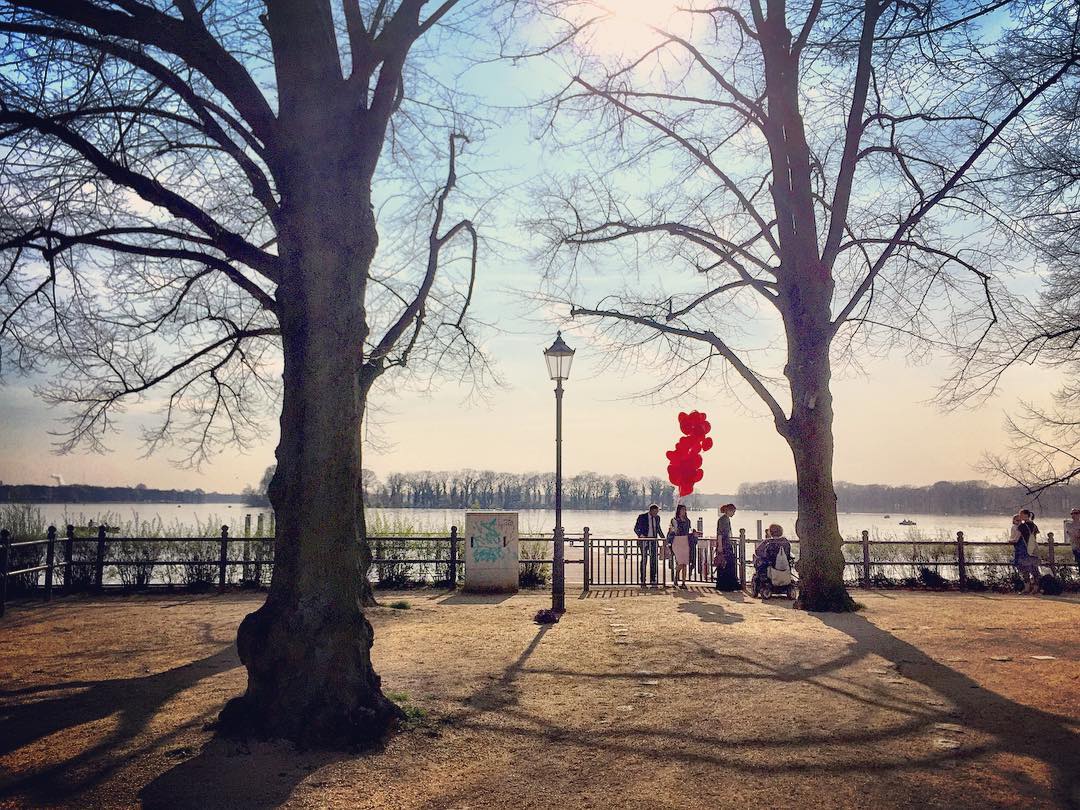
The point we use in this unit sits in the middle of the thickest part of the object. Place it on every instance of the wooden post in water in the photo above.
(586, 563)
(99, 560)
(247, 525)
(742, 557)
(5, 564)
(259, 524)
(865, 558)
(50, 561)
(453, 557)
(69, 551)
(961, 561)
(223, 555)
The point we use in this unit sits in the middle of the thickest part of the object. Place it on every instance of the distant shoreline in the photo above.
(85, 493)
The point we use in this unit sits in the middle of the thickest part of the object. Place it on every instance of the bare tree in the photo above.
(814, 165)
(188, 208)
(1039, 198)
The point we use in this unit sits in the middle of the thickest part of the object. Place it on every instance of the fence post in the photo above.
(586, 564)
(99, 560)
(742, 557)
(223, 555)
(1050, 553)
(5, 558)
(961, 561)
(50, 561)
(759, 530)
(865, 558)
(69, 551)
(453, 556)
(259, 525)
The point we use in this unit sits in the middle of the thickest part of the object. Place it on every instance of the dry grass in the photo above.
(706, 700)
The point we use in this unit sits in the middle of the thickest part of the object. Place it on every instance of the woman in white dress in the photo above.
(679, 537)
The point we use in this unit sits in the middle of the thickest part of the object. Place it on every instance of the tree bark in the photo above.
(307, 649)
(809, 434)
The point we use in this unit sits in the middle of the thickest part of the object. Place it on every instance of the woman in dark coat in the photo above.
(727, 577)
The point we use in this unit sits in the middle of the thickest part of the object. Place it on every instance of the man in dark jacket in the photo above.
(647, 529)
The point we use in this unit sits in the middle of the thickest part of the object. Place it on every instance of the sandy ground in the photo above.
(641, 700)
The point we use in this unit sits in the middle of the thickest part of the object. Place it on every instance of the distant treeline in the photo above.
(942, 498)
(82, 493)
(485, 489)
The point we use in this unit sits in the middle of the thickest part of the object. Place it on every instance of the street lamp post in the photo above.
(559, 358)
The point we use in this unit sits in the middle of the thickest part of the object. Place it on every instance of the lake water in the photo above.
(602, 523)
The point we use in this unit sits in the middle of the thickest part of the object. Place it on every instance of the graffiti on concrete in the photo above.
(488, 542)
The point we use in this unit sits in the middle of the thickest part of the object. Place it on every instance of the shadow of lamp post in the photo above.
(559, 358)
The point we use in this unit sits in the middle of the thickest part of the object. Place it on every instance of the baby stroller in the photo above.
(775, 578)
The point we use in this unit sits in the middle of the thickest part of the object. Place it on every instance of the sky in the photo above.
(887, 430)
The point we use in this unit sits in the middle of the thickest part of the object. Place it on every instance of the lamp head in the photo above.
(559, 358)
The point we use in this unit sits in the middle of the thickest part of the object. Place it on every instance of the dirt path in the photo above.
(684, 700)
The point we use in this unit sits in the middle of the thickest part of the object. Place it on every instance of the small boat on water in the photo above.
(907, 522)
(887, 517)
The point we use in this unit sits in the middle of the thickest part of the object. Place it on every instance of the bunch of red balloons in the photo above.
(684, 462)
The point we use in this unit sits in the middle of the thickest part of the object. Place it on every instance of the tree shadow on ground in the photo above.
(1013, 726)
(266, 774)
(1008, 726)
(33, 714)
(236, 774)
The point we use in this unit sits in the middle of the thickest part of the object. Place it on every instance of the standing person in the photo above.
(680, 533)
(1023, 537)
(647, 528)
(727, 578)
(1072, 533)
(1033, 549)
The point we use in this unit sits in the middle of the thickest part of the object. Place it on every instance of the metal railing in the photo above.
(83, 563)
(439, 559)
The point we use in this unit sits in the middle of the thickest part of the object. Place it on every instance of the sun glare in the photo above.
(628, 26)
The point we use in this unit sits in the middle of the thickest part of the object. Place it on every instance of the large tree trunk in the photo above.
(821, 566)
(307, 649)
(809, 433)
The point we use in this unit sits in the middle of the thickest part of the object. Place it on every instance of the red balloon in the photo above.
(684, 461)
